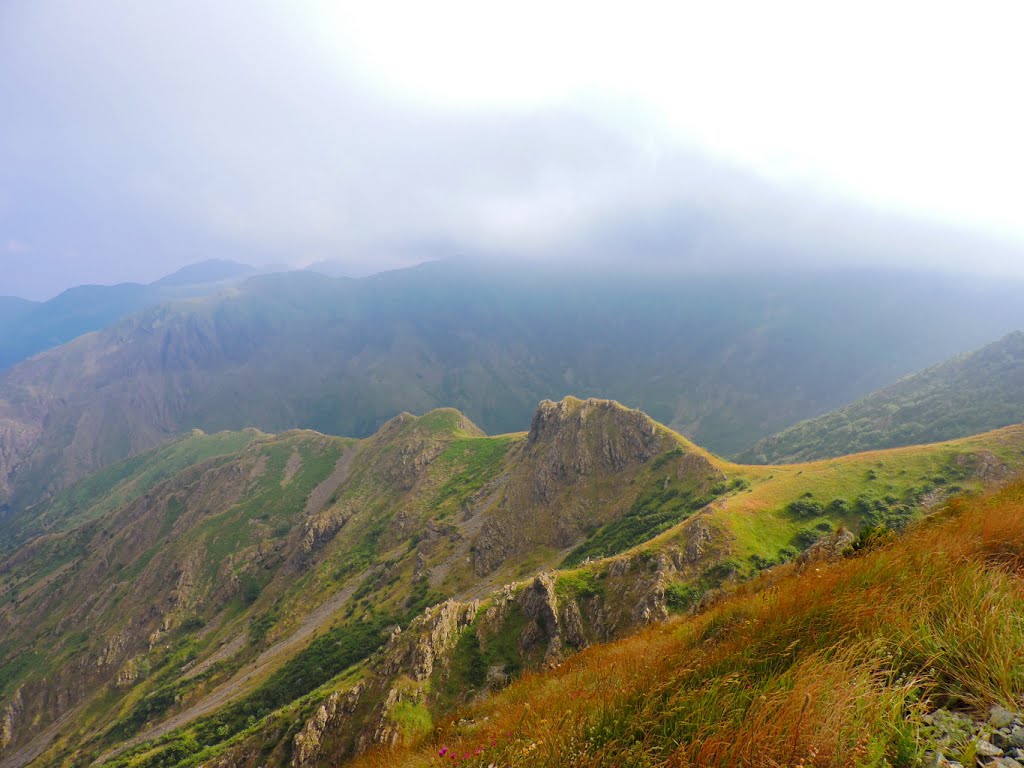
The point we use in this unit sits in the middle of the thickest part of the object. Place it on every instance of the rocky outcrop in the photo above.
(10, 716)
(573, 473)
(309, 742)
(400, 674)
(996, 741)
(577, 439)
(428, 640)
(552, 626)
(830, 547)
(984, 465)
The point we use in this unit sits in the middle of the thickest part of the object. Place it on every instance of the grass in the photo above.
(754, 522)
(888, 484)
(830, 666)
(103, 492)
(655, 510)
(969, 394)
(272, 503)
(473, 462)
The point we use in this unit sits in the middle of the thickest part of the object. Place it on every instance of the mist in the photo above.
(141, 139)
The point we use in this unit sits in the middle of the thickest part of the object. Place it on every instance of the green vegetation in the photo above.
(249, 581)
(656, 510)
(326, 657)
(121, 483)
(578, 585)
(473, 658)
(342, 357)
(477, 460)
(967, 395)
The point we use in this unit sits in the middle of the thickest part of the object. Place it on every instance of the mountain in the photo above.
(11, 308)
(725, 359)
(30, 327)
(968, 394)
(209, 271)
(906, 654)
(296, 599)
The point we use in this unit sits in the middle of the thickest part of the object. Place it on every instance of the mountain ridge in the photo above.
(342, 356)
(202, 592)
(30, 327)
(970, 393)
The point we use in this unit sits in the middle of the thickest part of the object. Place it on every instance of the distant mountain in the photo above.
(245, 599)
(365, 267)
(972, 393)
(210, 271)
(12, 307)
(726, 359)
(30, 327)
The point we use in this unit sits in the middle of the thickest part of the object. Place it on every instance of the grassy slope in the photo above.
(969, 394)
(829, 666)
(901, 479)
(760, 528)
(378, 553)
(278, 601)
(116, 485)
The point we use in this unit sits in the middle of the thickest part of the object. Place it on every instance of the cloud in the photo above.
(144, 141)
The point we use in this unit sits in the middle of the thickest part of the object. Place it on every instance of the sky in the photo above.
(139, 137)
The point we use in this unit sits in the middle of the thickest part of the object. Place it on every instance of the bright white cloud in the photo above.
(908, 104)
(146, 135)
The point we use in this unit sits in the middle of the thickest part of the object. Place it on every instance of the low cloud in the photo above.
(202, 148)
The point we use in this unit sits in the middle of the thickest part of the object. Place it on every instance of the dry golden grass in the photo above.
(832, 665)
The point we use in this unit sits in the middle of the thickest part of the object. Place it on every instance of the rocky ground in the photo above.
(997, 742)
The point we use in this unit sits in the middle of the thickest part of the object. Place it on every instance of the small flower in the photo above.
(442, 751)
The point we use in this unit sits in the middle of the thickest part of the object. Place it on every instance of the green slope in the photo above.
(971, 393)
(27, 328)
(120, 483)
(204, 603)
(891, 656)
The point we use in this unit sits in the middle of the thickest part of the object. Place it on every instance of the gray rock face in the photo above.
(1017, 736)
(9, 718)
(413, 657)
(831, 547)
(575, 444)
(309, 742)
(987, 749)
(993, 740)
(1000, 717)
(551, 627)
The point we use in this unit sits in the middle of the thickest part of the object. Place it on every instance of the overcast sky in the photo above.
(136, 137)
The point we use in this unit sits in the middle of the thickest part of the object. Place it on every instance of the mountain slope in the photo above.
(209, 602)
(342, 356)
(12, 308)
(209, 271)
(37, 326)
(971, 393)
(854, 662)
